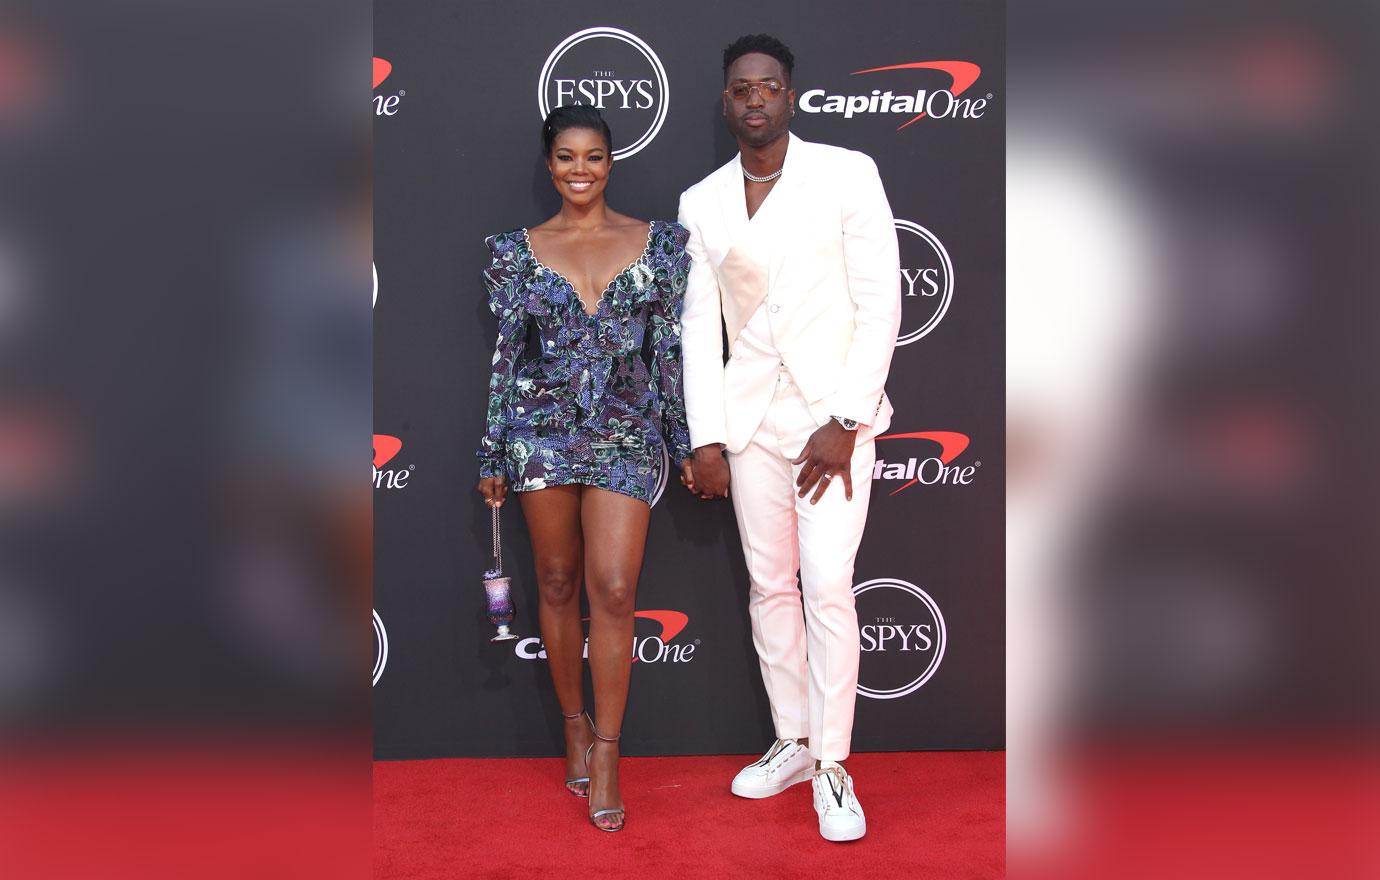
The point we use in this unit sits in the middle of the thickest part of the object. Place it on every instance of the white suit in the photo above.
(809, 293)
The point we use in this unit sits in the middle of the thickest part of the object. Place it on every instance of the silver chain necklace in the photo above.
(775, 174)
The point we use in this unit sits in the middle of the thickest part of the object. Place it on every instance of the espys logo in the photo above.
(930, 471)
(385, 448)
(385, 104)
(903, 638)
(380, 647)
(941, 103)
(927, 281)
(657, 648)
(615, 71)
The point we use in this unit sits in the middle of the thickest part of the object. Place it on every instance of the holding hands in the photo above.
(706, 474)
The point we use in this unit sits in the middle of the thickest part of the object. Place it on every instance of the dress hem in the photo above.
(576, 481)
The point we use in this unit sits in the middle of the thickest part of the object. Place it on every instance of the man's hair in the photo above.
(763, 43)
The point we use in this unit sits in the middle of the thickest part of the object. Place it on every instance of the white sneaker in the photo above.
(840, 815)
(785, 763)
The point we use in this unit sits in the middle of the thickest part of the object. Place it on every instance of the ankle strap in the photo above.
(573, 717)
(607, 739)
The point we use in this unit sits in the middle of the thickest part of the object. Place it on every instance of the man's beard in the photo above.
(759, 137)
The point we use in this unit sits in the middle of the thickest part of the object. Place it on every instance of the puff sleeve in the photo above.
(667, 364)
(502, 279)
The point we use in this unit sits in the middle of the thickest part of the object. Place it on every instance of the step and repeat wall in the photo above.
(459, 95)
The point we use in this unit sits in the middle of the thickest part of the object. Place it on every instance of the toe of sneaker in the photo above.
(837, 830)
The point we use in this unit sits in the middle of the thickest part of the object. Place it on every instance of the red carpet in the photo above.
(929, 815)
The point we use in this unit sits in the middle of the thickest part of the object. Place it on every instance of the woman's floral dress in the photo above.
(602, 398)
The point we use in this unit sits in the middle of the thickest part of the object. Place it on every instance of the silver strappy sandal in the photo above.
(597, 815)
(580, 785)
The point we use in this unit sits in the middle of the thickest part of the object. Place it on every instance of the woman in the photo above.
(579, 427)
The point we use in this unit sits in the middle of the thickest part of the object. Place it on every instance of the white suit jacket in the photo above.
(833, 292)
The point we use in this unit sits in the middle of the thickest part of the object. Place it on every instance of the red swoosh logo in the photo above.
(963, 74)
(381, 70)
(672, 622)
(951, 445)
(385, 447)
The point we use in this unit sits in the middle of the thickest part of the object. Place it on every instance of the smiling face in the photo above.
(579, 164)
(758, 118)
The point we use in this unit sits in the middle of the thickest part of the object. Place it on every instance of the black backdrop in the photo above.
(456, 158)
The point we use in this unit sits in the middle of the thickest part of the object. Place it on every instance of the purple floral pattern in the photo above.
(588, 407)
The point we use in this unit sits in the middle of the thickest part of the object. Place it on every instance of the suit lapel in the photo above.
(757, 249)
(743, 270)
(731, 202)
(781, 204)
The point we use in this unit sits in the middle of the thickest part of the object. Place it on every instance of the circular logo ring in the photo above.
(632, 40)
(940, 642)
(663, 476)
(932, 241)
(380, 636)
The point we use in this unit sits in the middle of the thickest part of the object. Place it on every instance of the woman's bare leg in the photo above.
(553, 522)
(615, 530)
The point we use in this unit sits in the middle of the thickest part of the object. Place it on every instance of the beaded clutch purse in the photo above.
(499, 589)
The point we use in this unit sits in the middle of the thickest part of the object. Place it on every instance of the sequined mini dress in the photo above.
(599, 400)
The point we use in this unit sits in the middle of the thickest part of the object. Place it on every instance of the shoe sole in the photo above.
(843, 835)
(772, 791)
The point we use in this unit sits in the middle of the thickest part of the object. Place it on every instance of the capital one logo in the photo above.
(380, 647)
(657, 647)
(902, 97)
(909, 465)
(385, 104)
(615, 71)
(927, 281)
(902, 636)
(386, 448)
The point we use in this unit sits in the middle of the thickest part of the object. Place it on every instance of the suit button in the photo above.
(775, 308)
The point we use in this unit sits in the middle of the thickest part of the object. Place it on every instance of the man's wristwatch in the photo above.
(848, 424)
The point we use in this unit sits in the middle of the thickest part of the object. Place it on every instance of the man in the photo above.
(795, 256)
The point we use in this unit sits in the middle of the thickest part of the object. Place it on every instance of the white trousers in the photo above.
(809, 656)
